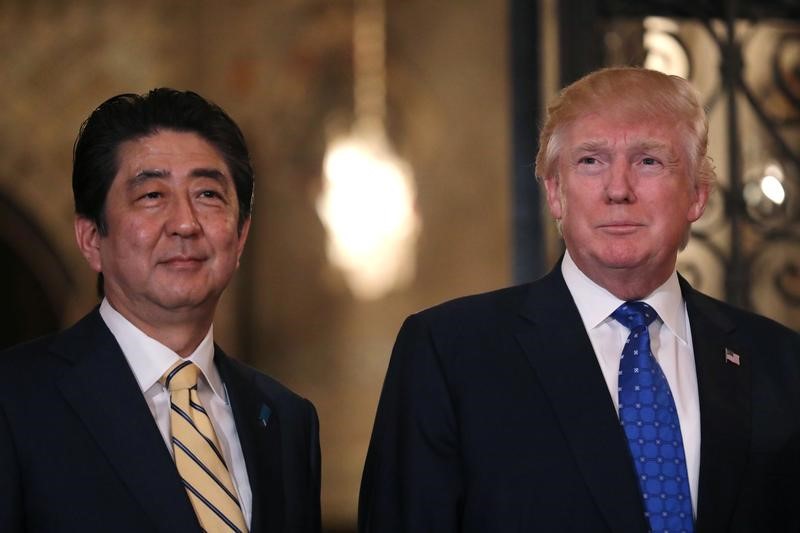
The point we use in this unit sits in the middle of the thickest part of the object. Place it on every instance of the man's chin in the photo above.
(621, 259)
(186, 301)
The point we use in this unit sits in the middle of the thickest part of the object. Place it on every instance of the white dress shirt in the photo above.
(149, 359)
(670, 342)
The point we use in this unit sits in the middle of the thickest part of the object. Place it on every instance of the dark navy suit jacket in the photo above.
(80, 451)
(495, 417)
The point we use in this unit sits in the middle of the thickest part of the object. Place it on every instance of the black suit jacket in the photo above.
(80, 451)
(495, 416)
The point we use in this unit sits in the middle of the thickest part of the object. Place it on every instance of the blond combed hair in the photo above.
(635, 93)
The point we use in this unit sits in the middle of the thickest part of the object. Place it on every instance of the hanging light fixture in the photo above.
(665, 52)
(767, 194)
(367, 203)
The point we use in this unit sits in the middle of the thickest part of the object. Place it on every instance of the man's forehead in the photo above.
(629, 140)
(168, 154)
(605, 130)
(150, 173)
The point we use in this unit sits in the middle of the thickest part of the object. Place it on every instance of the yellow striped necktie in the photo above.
(197, 454)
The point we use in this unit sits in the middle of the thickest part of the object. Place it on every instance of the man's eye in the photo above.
(649, 161)
(152, 195)
(588, 160)
(210, 194)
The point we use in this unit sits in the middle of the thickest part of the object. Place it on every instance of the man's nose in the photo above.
(619, 187)
(183, 219)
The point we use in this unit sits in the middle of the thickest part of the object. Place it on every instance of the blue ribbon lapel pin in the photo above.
(264, 414)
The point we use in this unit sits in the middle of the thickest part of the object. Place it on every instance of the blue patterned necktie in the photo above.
(649, 417)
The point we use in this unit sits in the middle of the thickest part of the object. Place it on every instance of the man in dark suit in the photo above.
(608, 395)
(98, 432)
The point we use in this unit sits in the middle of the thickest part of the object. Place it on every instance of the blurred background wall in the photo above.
(284, 70)
(457, 89)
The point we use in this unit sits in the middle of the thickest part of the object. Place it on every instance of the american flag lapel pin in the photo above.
(732, 357)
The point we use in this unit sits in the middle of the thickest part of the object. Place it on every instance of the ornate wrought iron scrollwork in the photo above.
(750, 234)
(786, 68)
(787, 281)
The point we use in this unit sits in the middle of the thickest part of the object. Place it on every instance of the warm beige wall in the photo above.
(283, 71)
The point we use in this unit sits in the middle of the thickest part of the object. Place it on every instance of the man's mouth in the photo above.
(183, 261)
(620, 228)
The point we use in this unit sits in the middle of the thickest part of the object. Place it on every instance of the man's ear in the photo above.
(243, 238)
(88, 237)
(698, 206)
(552, 185)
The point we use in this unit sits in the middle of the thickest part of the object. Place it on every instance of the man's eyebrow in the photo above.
(590, 145)
(598, 144)
(146, 175)
(151, 173)
(212, 173)
(651, 144)
(154, 173)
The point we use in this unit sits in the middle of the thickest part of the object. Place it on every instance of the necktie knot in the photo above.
(634, 315)
(197, 452)
(180, 376)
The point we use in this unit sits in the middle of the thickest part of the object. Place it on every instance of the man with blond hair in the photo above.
(609, 395)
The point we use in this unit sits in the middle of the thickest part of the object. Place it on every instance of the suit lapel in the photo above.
(258, 427)
(557, 346)
(724, 390)
(102, 390)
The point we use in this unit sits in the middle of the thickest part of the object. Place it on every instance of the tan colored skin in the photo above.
(173, 242)
(625, 200)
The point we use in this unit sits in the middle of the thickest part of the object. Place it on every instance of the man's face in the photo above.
(624, 198)
(172, 243)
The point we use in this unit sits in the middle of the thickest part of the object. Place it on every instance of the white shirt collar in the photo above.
(595, 304)
(149, 359)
